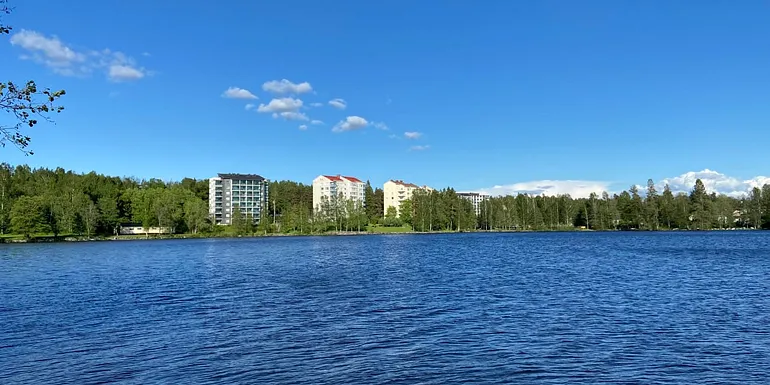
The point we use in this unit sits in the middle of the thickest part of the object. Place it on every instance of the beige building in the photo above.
(334, 186)
(136, 228)
(397, 191)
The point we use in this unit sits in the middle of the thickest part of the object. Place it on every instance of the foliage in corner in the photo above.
(25, 103)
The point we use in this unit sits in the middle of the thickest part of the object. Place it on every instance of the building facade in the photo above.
(137, 228)
(475, 198)
(397, 191)
(245, 192)
(330, 187)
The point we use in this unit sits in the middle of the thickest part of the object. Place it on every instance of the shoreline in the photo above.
(118, 238)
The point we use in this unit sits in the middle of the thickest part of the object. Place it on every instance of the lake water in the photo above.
(412, 309)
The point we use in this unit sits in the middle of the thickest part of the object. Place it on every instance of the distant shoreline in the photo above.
(70, 238)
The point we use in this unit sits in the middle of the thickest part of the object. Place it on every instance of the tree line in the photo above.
(631, 210)
(59, 202)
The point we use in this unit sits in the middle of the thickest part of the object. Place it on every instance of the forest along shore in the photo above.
(47, 203)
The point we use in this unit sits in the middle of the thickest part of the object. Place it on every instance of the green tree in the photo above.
(609, 212)
(109, 213)
(466, 220)
(626, 210)
(53, 213)
(379, 203)
(651, 204)
(391, 218)
(682, 211)
(667, 209)
(142, 207)
(242, 224)
(90, 217)
(265, 224)
(754, 209)
(592, 209)
(700, 206)
(405, 211)
(196, 214)
(6, 174)
(637, 207)
(370, 203)
(765, 208)
(27, 215)
(724, 207)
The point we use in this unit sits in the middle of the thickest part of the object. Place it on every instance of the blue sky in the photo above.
(510, 93)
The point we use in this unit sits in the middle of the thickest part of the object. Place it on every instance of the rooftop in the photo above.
(405, 184)
(338, 178)
(242, 176)
(472, 194)
(353, 179)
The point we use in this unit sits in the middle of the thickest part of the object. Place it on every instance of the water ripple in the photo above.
(580, 308)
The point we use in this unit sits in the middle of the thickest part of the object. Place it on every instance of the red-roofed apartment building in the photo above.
(331, 186)
(397, 191)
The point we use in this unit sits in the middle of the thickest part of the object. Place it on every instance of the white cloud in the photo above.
(714, 182)
(316, 122)
(281, 105)
(316, 104)
(380, 125)
(419, 148)
(65, 60)
(120, 67)
(285, 86)
(412, 135)
(350, 123)
(250, 106)
(575, 188)
(52, 50)
(303, 127)
(122, 72)
(338, 103)
(291, 115)
(238, 93)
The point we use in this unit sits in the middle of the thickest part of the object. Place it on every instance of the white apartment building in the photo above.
(475, 198)
(397, 191)
(331, 187)
(246, 192)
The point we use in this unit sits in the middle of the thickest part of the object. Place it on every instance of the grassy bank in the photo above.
(377, 229)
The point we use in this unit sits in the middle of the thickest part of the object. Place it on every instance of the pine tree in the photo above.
(700, 206)
(369, 202)
(765, 208)
(667, 207)
(652, 209)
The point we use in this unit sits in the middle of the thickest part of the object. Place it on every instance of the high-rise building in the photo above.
(397, 191)
(331, 187)
(475, 198)
(245, 192)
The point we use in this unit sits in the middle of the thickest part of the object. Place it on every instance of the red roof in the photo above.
(353, 179)
(334, 178)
